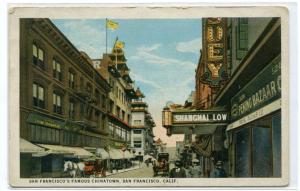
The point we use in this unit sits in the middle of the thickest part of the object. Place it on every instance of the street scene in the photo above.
(143, 98)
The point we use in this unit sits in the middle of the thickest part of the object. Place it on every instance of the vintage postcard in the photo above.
(148, 96)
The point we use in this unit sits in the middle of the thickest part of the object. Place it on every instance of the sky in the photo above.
(162, 55)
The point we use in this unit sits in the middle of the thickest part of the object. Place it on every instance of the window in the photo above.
(38, 96)
(38, 56)
(128, 118)
(111, 129)
(73, 139)
(261, 143)
(111, 106)
(137, 131)
(41, 134)
(276, 135)
(258, 148)
(98, 98)
(103, 101)
(57, 70)
(57, 106)
(128, 136)
(137, 143)
(242, 38)
(137, 122)
(242, 153)
(71, 80)
(72, 110)
(118, 112)
(103, 121)
(123, 115)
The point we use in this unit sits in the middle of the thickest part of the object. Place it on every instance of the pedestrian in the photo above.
(195, 170)
(147, 162)
(178, 171)
(218, 171)
(103, 172)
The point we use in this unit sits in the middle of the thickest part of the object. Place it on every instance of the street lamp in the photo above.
(166, 117)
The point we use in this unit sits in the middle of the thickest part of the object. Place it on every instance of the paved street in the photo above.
(143, 172)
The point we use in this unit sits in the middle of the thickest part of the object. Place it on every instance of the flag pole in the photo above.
(116, 53)
(106, 35)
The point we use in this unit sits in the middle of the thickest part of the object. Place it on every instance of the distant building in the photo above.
(142, 127)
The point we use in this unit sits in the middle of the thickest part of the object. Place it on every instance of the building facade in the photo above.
(253, 96)
(142, 127)
(63, 100)
(114, 69)
(238, 76)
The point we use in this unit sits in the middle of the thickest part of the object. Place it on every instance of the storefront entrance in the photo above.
(258, 148)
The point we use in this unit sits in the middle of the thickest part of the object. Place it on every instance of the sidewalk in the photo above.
(135, 167)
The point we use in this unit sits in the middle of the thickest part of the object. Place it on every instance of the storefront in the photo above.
(204, 132)
(254, 134)
(30, 159)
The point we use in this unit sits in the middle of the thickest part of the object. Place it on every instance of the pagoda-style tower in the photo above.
(142, 126)
(118, 62)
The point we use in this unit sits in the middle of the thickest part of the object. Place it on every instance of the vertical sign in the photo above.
(214, 51)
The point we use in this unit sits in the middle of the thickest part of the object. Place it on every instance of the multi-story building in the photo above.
(63, 100)
(239, 72)
(114, 69)
(142, 127)
(253, 97)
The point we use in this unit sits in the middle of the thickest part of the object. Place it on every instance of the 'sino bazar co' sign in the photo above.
(199, 117)
(262, 90)
(214, 52)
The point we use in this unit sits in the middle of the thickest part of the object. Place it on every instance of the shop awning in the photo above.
(128, 155)
(102, 153)
(90, 149)
(115, 154)
(76, 151)
(28, 147)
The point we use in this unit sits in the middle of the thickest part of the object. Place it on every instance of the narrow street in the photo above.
(143, 172)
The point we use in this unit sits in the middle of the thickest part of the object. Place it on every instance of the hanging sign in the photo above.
(199, 117)
(214, 51)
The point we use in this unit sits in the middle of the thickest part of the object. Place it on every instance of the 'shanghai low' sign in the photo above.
(200, 117)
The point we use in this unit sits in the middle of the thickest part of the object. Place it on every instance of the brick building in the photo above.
(63, 100)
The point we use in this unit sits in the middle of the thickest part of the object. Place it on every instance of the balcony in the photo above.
(125, 73)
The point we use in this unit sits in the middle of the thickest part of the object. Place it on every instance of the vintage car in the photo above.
(161, 165)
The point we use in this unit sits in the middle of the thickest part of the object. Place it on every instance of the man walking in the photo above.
(178, 171)
(218, 171)
(195, 170)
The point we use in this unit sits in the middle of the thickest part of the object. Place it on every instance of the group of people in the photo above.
(195, 170)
